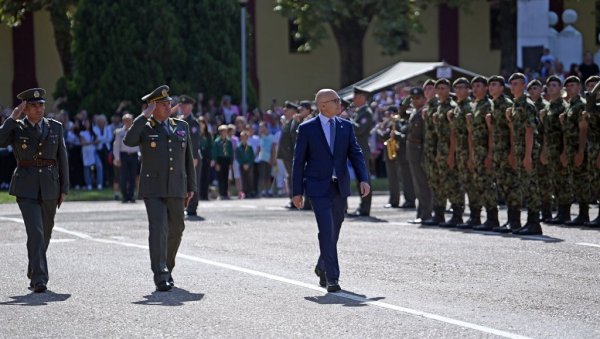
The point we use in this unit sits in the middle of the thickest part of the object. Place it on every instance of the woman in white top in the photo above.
(89, 142)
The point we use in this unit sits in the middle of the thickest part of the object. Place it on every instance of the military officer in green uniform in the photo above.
(575, 153)
(523, 156)
(534, 91)
(167, 179)
(592, 117)
(185, 106)
(388, 132)
(304, 113)
(362, 120)
(41, 179)
(285, 147)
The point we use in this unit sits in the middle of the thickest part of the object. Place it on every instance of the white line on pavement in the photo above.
(367, 301)
(587, 244)
(61, 240)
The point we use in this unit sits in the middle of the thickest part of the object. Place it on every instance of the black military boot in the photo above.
(532, 227)
(513, 222)
(491, 222)
(582, 218)
(564, 215)
(438, 216)
(456, 219)
(474, 219)
(546, 212)
(593, 223)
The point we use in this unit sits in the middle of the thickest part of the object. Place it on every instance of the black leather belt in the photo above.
(37, 163)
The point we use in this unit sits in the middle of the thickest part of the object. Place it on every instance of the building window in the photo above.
(297, 43)
(495, 25)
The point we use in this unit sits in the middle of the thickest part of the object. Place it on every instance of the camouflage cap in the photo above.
(592, 79)
(479, 79)
(442, 81)
(497, 78)
(32, 95)
(517, 76)
(533, 83)
(159, 94)
(461, 81)
(553, 78)
(572, 78)
(186, 99)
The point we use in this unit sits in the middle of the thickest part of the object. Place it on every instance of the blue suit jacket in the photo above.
(314, 163)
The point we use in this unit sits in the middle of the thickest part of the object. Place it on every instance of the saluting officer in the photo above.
(186, 105)
(285, 147)
(41, 179)
(363, 123)
(167, 179)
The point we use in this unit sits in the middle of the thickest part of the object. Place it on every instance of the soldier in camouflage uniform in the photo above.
(480, 155)
(592, 115)
(506, 178)
(534, 90)
(523, 155)
(450, 188)
(430, 151)
(459, 133)
(552, 148)
(575, 152)
(363, 123)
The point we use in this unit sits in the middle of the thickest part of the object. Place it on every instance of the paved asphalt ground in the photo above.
(246, 271)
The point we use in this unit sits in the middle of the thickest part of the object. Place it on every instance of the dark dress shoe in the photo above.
(415, 221)
(391, 206)
(333, 286)
(171, 281)
(533, 229)
(357, 213)
(40, 288)
(502, 229)
(408, 205)
(322, 278)
(289, 205)
(163, 286)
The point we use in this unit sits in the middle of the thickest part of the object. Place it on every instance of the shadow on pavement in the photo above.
(174, 297)
(36, 299)
(344, 298)
(364, 219)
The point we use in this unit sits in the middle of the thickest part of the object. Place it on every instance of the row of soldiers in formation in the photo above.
(534, 149)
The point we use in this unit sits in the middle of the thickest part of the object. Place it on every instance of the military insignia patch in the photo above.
(181, 133)
(24, 146)
(153, 144)
(36, 94)
(183, 145)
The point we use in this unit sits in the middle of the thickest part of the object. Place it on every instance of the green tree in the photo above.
(395, 23)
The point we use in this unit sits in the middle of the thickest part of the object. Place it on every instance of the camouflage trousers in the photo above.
(433, 178)
(450, 185)
(595, 172)
(561, 182)
(545, 186)
(508, 183)
(581, 182)
(479, 186)
(530, 191)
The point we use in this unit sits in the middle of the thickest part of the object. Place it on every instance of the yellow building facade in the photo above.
(284, 75)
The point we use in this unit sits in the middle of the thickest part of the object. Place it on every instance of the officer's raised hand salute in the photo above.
(167, 179)
(41, 179)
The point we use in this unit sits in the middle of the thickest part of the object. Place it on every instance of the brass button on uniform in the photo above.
(40, 153)
(40, 144)
(40, 170)
(170, 168)
(170, 150)
(171, 159)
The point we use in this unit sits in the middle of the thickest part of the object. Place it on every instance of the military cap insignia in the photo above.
(36, 94)
(164, 92)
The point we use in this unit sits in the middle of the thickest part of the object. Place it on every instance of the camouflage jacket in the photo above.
(524, 115)
(480, 130)
(570, 126)
(442, 126)
(501, 131)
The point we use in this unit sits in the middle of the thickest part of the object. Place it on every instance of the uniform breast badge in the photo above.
(153, 144)
(24, 146)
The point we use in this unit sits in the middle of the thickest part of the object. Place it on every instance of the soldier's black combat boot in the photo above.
(532, 227)
(513, 222)
(491, 222)
(582, 218)
(456, 219)
(593, 223)
(546, 212)
(438, 217)
(564, 215)
(474, 219)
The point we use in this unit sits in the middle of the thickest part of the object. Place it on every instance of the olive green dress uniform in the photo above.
(580, 175)
(167, 174)
(408, 189)
(415, 141)
(553, 144)
(363, 123)
(41, 176)
(450, 184)
(285, 147)
(306, 104)
(594, 145)
(194, 126)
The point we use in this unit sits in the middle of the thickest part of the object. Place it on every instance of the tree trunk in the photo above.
(349, 37)
(508, 37)
(62, 33)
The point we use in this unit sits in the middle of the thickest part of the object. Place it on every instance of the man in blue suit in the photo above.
(323, 146)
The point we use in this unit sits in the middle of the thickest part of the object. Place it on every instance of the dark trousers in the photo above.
(204, 180)
(165, 224)
(38, 216)
(128, 173)
(247, 176)
(419, 180)
(392, 170)
(407, 183)
(193, 205)
(223, 175)
(329, 212)
(76, 166)
(365, 202)
(288, 169)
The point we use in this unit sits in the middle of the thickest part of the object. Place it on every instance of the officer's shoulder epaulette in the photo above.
(55, 122)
